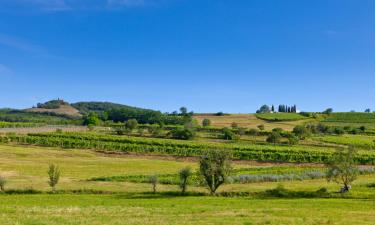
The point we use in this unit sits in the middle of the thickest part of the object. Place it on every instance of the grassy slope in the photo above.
(248, 121)
(62, 110)
(280, 116)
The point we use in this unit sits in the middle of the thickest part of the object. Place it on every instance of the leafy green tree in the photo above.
(328, 111)
(274, 137)
(292, 139)
(182, 133)
(91, 119)
(301, 131)
(184, 174)
(367, 110)
(215, 167)
(54, 176)
(227, 134)
(264, 109)
(131, 124)
(206, 122)
(183, 110)
(342, 168)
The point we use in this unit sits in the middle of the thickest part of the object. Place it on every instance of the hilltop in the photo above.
(58, 107)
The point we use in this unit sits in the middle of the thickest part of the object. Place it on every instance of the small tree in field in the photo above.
(342, 168)
(54, 176)
(274, 137)
(261, 127)
(154, 182)
(206, 122)
(2, 183)
(214, 167)
(184, 173)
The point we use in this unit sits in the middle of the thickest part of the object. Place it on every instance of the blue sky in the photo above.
(219, 55)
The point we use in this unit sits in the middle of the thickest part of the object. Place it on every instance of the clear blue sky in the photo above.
(218, 55)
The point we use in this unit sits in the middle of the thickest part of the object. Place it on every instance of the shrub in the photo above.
(292, 139)
(206, 122)
(227, 134)
(182, 133)
(261, 127)
(131, 124)
(215, 167)
(54, 176)
(301, 131)
(274, 137)
(253, 132)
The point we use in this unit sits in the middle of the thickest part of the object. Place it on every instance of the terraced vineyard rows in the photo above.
(274, 153)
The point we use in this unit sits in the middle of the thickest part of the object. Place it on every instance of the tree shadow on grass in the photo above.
(158, 195)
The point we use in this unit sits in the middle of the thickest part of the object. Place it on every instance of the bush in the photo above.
(227, 134)
(292, 139)
(274, 137)
(253, 132)
(131, 124)
(182, 133)
(206, 122)
(301, 131)
(261, 127)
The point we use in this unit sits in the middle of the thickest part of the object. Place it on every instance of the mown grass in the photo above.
(247, 121)
(280, 116)
(359, 141)
(125, 209)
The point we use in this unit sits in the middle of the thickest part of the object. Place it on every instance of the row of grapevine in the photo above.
(169, 147)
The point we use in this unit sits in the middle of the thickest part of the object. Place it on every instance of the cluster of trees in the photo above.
(281, 108)
(53, 104)
(287, 109)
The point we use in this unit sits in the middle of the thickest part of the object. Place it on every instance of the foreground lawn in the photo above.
(124, 209)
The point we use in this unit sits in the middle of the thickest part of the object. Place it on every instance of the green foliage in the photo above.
(328, 111)
(264, 109)
(10, 115)
(227, 134)
(53, 104)
(274, 137)
(182, 133)
(342, 168)
(54, 176)
(184, 174)
(180, 148)
(301, 131)
(91, 119)
(253, 132)
(261, 127)
(131, 124)
(292, 139)
(280, 116)
(365, 142)
(206, 122)
(215, 167)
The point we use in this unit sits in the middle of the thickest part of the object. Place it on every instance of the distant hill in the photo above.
(58, 107)
(99, 107)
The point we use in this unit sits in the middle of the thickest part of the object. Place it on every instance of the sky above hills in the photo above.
(219, 55)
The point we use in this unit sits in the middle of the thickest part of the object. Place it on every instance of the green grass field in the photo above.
(280, 116)
(131, 203)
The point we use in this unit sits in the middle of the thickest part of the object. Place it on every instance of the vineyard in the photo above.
(351, 117)
(365, 142)
(275, 153)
